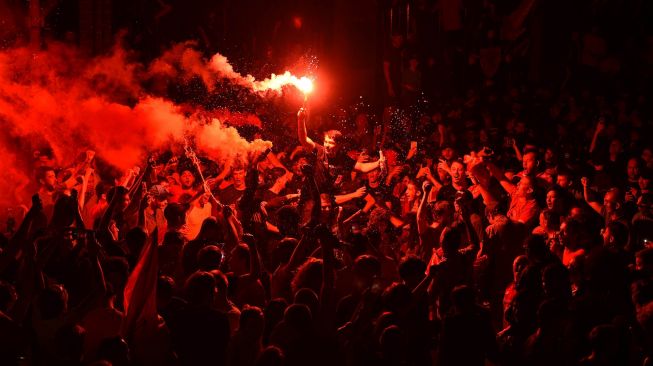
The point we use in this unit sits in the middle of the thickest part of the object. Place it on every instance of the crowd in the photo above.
(500, 223)
(450, 239)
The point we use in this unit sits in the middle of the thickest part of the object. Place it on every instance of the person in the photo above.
(184, 188)
(246, 346)
(154, 217)
(230, 194)
(467, 335)
(271, 268)
(332, 163)
(47, 180)
(523, 205)
(458, 185)
(200, 334)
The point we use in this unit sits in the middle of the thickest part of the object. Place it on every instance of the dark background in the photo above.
(347, 38)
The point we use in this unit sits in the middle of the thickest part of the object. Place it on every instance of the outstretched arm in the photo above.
(599, 128)
(306, 142)
(422, 222)
(254, 261)
(596, 206)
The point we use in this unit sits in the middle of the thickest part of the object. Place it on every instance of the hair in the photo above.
(282, 252)
(536, 247)
(52, 302)
(42, 171)
(451, 240)
(211, 230)
(273, 314)
(288, 218)
(462, 297)
(309, 298)
(221, 282)
(241, 251)
(249, 316)
(209, 258)
(619, 232)
(411, 266)
(165, 288)
(271, 356)
(646, 256)
(555, 277)
(63, 212)
(298, 316)
(367, 265)
(174, 214)
(117, 190)
(552, 219)
(335, 135)
(135, 240)
(102, 188)
(200, 288)
(309, 275)
(396, 297)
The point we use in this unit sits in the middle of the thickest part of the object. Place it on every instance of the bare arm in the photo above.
(518, 153)
(82, 194)
(365, 167)
(422, 222)
(599, 127)
(360, 192)
(501, 177)
(306, 142)
(596, 206)
(254, 261)
(215, 182)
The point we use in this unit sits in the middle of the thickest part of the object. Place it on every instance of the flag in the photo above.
(141, 315)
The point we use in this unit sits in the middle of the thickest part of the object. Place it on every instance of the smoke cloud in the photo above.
(63, 100)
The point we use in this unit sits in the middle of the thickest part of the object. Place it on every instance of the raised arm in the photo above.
(16, 243)
(304, 140)
(82, 194)
(596, 206)
(422, 221)
(501, 177)
(254, 260)
(365, 167)
(518, 154)
(214, 183)
(599, 128)
(465, 213)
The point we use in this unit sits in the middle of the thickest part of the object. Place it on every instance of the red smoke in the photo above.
(61, 99)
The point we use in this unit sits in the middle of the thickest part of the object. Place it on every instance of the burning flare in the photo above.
(220, 65)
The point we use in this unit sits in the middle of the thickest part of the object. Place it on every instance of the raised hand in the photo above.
(444, 166)
(360, 192)
(426, 186)
(302, 114)
(600, 126)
